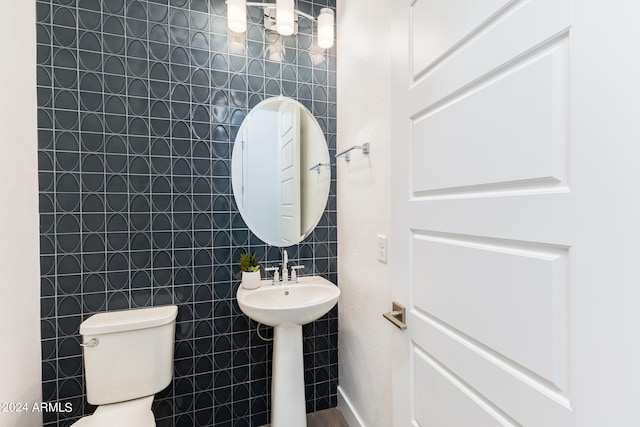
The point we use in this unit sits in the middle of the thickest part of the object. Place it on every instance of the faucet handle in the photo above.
(276, 274)
(294, 276)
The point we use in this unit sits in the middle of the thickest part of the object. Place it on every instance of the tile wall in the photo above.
(139, 104)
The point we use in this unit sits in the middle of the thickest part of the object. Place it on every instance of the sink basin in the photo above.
(287, 308)
(299, 303)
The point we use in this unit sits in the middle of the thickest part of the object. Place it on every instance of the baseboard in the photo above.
(348, 412)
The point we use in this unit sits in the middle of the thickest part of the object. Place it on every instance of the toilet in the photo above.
(128, 358)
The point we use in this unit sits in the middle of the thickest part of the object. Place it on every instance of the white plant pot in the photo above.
(251, 279)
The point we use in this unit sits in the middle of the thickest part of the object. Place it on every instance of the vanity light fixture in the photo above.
(282, 17)
(237, 15)
(325, 28)
(285, 17)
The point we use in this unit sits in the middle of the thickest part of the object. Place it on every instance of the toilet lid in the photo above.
(126, 414)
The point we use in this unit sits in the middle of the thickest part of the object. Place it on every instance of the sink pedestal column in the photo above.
(288, 403)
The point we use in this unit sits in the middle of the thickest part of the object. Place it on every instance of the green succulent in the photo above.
(249, 262)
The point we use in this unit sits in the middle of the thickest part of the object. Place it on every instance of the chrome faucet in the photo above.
(285, 267)
(281, 274)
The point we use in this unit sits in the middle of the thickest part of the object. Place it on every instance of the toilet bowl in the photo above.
(131, 413)
(128, 358)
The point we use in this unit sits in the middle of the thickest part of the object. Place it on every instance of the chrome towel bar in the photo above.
(347, 153)
(318, 166)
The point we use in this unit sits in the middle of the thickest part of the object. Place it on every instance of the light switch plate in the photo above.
(382, 248)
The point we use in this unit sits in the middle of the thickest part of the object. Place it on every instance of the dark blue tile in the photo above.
(158, 11)
(118, 301)
(68, 347)
(156, 194)
(94, 302)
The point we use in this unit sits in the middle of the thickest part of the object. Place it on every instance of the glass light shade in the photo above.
(325, 28)
(285, 17)
(237, 15)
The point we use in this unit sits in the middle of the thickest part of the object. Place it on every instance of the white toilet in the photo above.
(128, 357)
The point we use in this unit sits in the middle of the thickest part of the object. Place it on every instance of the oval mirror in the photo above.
(280, 171)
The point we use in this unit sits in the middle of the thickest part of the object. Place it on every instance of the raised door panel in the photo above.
(520, 141)
(509, 297)
(438, 26)
(442, 399)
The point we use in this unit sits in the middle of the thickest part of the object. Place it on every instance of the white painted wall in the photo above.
(20, 379)
(364, 211)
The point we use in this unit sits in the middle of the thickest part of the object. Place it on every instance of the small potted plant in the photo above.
(250, 271)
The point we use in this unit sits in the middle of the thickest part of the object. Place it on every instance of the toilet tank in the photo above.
(133, 357)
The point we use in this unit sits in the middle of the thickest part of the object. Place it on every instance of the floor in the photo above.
(327, 418)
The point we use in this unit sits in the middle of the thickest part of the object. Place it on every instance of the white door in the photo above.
(244, 175)
(289, 173)
(516, 213)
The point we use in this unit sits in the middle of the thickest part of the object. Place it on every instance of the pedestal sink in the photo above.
(287, 307)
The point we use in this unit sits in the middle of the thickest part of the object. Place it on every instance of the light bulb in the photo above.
(285, 17)
(325, 28)
(237, 15)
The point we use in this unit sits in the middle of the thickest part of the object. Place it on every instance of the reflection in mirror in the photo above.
(280, 171)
